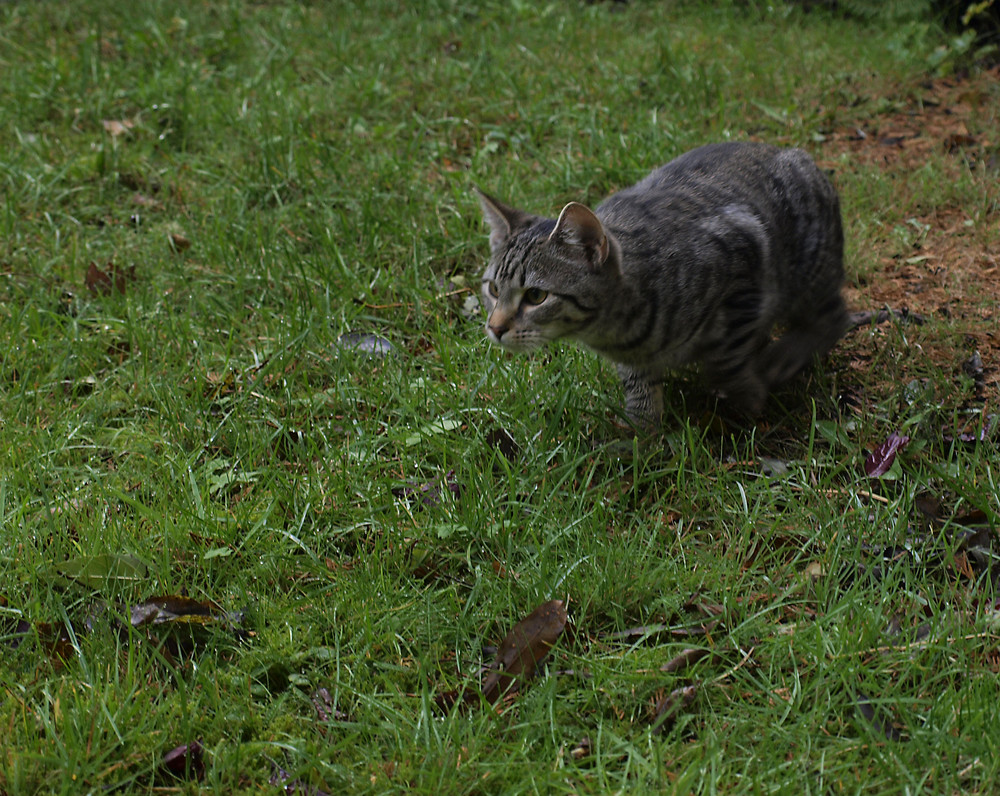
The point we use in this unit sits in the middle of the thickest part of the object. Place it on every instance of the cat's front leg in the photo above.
(643, 396)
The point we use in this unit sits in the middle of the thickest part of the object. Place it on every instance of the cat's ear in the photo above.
(578, 226)
(503, 220)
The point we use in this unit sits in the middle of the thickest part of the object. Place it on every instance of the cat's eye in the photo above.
(491, 287)
(535, 295)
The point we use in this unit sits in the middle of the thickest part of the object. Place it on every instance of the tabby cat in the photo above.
(696, 263)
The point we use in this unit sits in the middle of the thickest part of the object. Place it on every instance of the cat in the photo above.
(698, 263)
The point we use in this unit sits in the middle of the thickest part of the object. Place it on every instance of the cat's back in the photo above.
(761, 176)
(772, 204)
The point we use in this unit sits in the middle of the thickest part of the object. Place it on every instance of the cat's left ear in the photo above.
(578, 226)
(503, 219)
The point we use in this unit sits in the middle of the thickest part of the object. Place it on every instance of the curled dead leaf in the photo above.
(685, 659)
(179, 243)
(186, 761)
(163, 609)
(113, 278)
(500, 439)
(117, 127)
(880, 460)
(582, 749)
(669, 707)
(146, 201)
(875, 716)
(524, 648)
(429, 493)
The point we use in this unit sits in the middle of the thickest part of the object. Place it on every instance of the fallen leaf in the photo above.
(874, 716)
(973, 368)
(107, 281)
(119, 350)
(892, 140)
(651, 632)
(82, 386)
(178, 243)
(471, 308)
(686, 658)
(159, 610)
(501, 440)
(117, 127)
(870, 317)
(956, 141)
(524, 648)
(55, 639)
(774, 468)
(880, 460)
(96, 572)
(973, 433)
(582, 749)
(430, 492)
(186, 761)
(669, 707)
(433, 429)
(146, 201)
(323, 704)
(815, 570)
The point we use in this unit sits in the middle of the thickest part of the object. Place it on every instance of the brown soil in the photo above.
(952, 270)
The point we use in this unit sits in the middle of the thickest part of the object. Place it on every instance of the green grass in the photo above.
(202, 433)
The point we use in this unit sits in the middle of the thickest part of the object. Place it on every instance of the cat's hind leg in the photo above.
(643, 396)
(731, 364)
(810, 334)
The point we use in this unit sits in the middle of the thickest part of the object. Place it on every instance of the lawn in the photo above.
(269, 502)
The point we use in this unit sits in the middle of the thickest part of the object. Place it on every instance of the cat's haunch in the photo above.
(698, 263)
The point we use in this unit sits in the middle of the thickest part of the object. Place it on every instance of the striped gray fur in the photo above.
(698, 263)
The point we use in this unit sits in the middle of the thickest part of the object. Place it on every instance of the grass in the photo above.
(207, 432)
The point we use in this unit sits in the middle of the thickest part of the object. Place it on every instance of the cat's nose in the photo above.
(498, 330)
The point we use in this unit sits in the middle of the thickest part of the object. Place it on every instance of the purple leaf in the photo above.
(880, 460)
(971, 435)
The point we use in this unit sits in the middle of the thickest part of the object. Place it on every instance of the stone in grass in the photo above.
(373, 345)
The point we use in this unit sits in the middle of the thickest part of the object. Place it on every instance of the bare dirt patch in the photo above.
(950, 270)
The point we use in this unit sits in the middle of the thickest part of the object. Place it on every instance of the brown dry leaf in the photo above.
(146, 201)
(686, 658)
(56, 639)
(220, 385)
(582, 749)
(108, 281)
(324, 707)
(117, 127)
(186, 761)
(119, 350)
(524, 648)
(177, 609)
(178, 243)
(669, 707)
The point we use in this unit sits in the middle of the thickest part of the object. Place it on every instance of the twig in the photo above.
(736, 668)
(875, 317)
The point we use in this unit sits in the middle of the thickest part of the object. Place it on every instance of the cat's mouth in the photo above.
(513, 341)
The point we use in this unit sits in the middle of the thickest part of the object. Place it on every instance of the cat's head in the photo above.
(546, 278)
